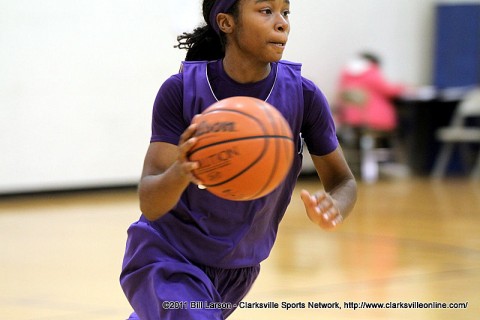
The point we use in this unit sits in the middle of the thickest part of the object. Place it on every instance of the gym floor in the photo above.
(411, 244)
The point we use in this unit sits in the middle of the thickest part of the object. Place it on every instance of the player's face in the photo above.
(262, 28)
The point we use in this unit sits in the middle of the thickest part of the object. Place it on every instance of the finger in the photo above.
(184, 149)
(332, 218)
(338, 220)
(306, 198)
(320, 197)
(188, 169)
(192, 167)
(187, 145)
(188, 133)
(325, 205)
(310, 203)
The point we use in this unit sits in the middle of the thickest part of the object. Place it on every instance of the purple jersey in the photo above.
(211, 231)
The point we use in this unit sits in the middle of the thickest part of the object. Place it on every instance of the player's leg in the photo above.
(171, 291)
(160, 283)
(232, 284)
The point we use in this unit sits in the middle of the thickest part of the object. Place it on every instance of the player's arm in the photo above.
(328, 208)
(166, 174)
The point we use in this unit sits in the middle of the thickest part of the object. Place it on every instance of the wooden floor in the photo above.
(408, 241)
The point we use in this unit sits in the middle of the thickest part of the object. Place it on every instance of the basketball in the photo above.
(245, 148)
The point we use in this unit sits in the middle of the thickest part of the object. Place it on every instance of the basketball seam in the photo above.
(261, 155)
(274, 167)
(239, 139)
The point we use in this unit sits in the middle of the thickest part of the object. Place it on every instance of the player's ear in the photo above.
(225, 22)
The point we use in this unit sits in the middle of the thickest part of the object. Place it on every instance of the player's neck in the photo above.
(244, 71)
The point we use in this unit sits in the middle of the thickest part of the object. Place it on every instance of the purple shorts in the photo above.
(160, 283)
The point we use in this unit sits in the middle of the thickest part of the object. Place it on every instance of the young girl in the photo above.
(193, 255)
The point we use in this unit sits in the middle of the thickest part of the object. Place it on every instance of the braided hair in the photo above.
(204, 43)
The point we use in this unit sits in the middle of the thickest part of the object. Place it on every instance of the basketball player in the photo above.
(193, 255)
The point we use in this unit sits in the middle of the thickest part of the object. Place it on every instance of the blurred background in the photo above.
(77, 85)
(78, 79)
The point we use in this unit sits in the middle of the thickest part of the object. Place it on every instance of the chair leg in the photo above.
(442, 161)
(369, 162)
(476, 169)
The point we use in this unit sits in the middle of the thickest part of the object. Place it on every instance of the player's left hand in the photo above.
(321, 209)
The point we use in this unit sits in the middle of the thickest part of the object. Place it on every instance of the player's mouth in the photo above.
(278, 44)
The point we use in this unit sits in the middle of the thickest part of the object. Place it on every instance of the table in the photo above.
(419, 118)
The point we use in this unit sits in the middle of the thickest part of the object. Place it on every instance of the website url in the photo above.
(405, 305)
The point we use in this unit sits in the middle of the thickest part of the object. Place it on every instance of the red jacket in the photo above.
(365, 98)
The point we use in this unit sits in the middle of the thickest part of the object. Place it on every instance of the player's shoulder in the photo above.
(173, 83)
(307, 84)
(312, 93)
(175, 79)
(290, 63)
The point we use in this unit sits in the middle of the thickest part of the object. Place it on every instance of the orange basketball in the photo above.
(245, 148)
